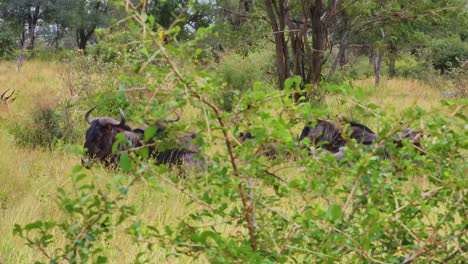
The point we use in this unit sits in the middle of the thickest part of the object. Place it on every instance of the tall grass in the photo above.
(29, 178)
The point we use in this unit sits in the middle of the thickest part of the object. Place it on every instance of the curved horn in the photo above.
(3, 94)
(173, 120)
(122, 117)
(86, 116)
(9, 96)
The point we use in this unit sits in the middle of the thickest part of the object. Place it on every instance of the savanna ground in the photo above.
(30, 177)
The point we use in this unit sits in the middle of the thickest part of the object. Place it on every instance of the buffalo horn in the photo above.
(87, 115)
(8, 97)
(3, 95)
(122, 117)
(173, 120)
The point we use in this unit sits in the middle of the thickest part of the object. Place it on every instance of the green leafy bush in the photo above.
(448, 53)
(45, 128)
(410, 67)
(7, 40)
(238, 73)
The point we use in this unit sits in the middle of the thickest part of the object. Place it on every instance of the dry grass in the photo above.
(394, 95)
(29, 178)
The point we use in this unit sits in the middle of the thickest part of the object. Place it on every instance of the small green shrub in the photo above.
(408, 66)
(46, 128)
(358, 68)
(42, 131)
(448, 53)
(239, 73)
(7, 40)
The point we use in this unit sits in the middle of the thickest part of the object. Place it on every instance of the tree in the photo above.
(7, 39)
(188, 15)
(83, 17)
(315, 26)
(27, 14)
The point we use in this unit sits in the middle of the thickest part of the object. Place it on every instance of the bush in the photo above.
(7, 40)
(238, 74)
(43, 130)
(358, 68)
(409, 67)
(448, 53)
(46, 128)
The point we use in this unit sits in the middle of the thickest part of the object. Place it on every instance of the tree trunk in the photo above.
(392, 59)
(277, 16)
(82, 38)
(377, 60)
(297, 47)
(318, 42)
(30, 36)
(341, 57)
(31, 20)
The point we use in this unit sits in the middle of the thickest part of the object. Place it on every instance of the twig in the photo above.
(348, 201)
(424, 195)
(430, 246)
(193, 197)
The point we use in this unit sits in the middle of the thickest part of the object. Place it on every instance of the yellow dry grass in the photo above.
(394, 95)
(29, 178)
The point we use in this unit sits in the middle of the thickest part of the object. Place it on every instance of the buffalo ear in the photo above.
(241, 134)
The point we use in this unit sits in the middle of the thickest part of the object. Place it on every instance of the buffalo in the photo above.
(333, 136)
(101, 136)
(413, 135)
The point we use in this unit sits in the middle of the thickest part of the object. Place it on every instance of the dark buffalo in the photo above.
(413, 135)
(101, 136)
(181, 151)
(333, 136)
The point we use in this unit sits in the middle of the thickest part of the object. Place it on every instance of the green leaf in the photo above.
(461, 116)
(125, 163)
(77, 169)
(151, 20)
(79, 177)
(34, 225)
(150, 132)
(334, 213)
(102, 260)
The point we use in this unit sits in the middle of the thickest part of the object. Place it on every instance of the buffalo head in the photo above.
(100, 136)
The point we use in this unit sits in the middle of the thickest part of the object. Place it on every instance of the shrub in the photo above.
(408, 66)
(358, 68)
(448, 53)
(46, 128)
(238, 74)
(41, 131)
(7, 40)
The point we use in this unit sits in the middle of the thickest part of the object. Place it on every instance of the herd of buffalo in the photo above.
(103, 132)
